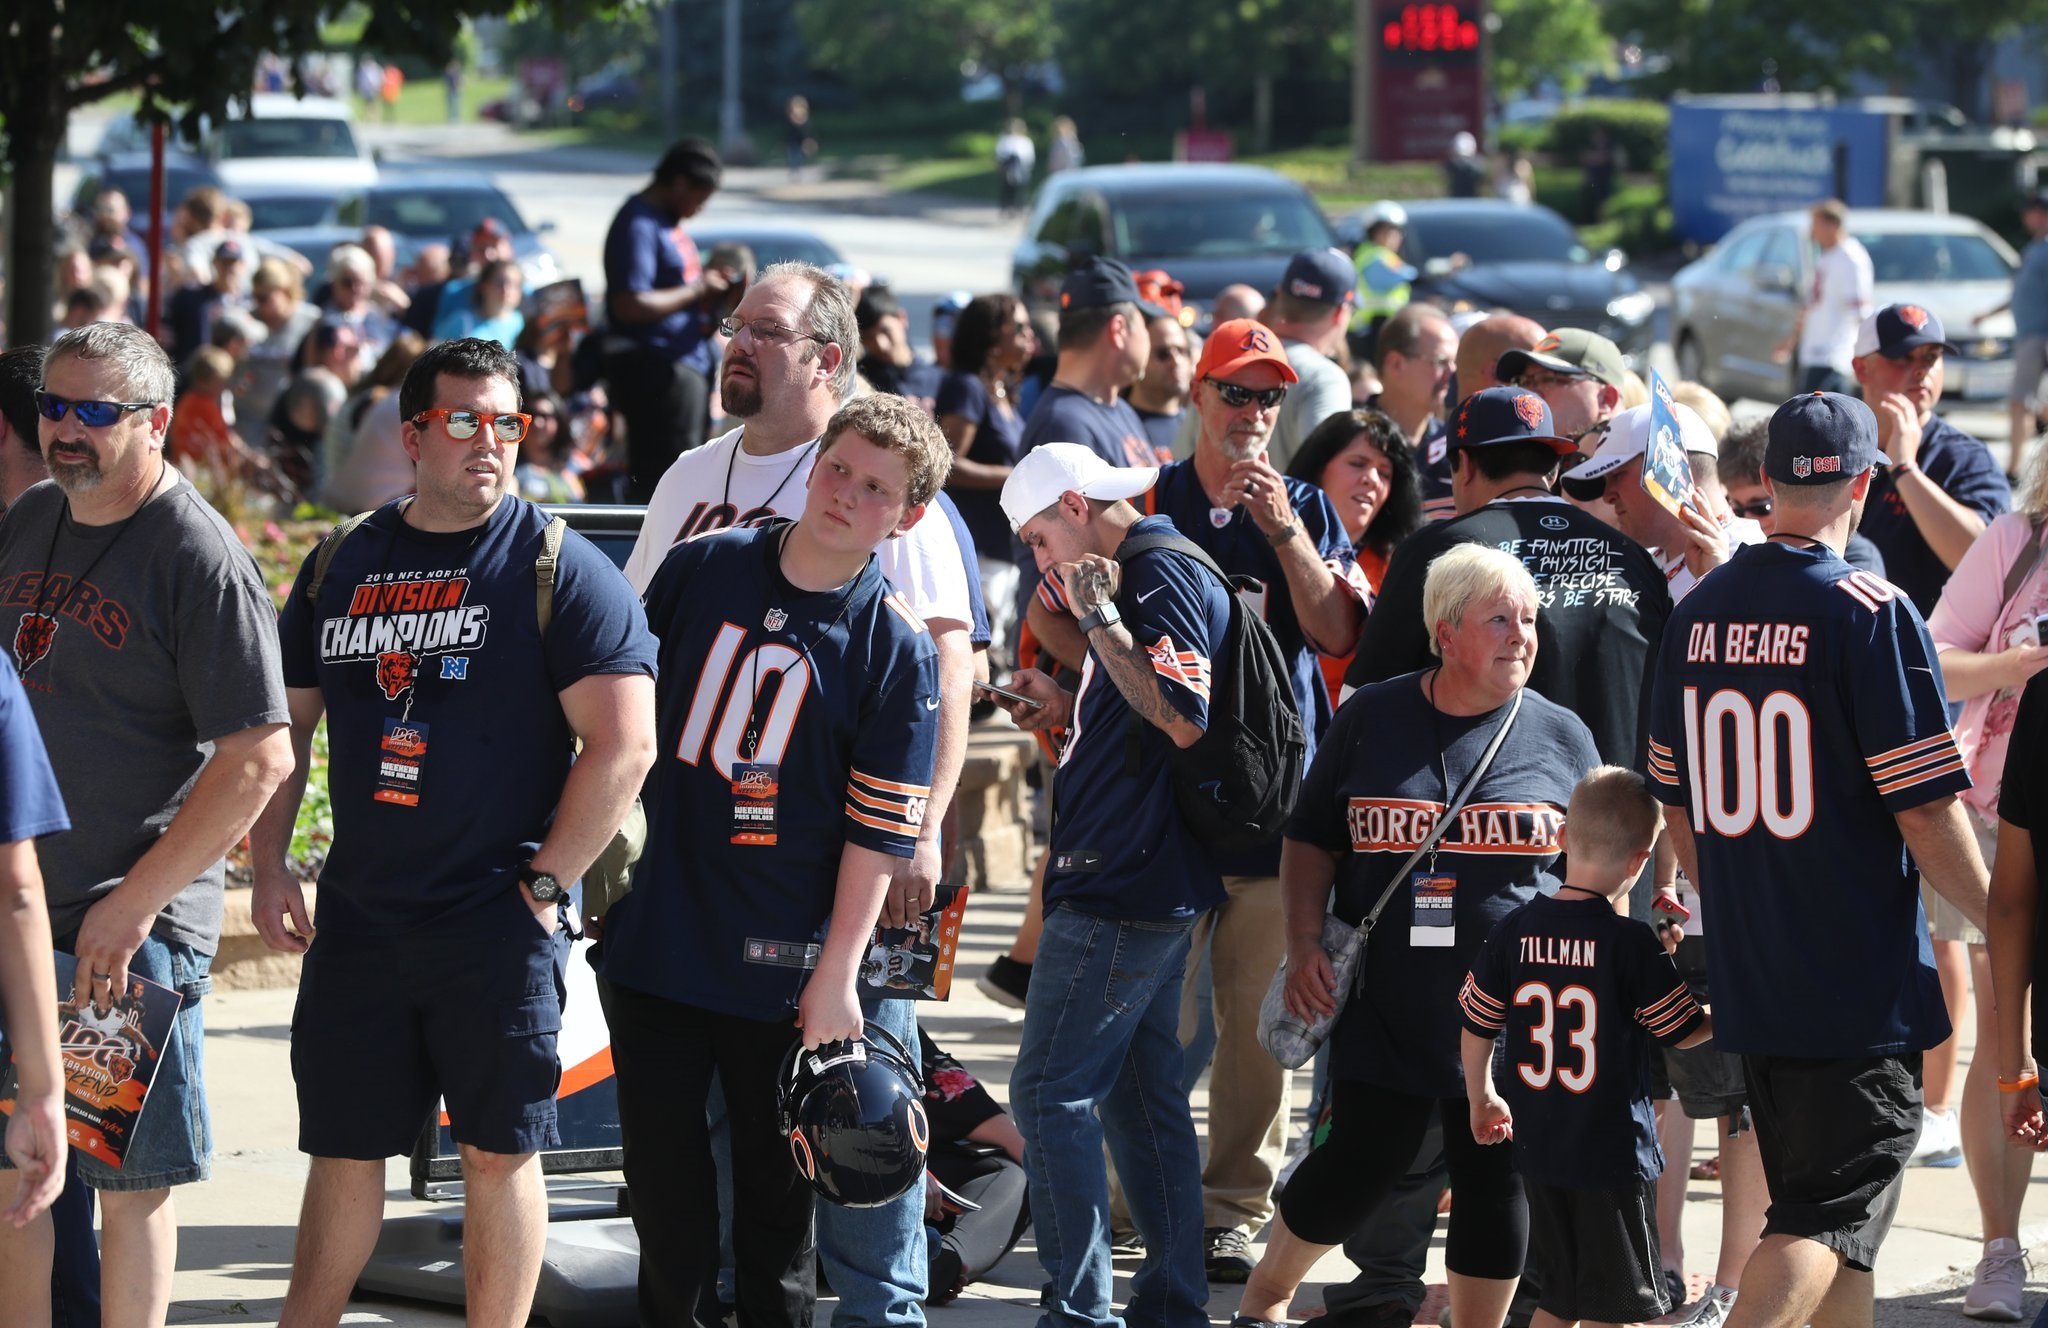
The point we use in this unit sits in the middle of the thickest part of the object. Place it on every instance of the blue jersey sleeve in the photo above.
(888, 787)
(1976, 482)
(1482, 1006)
(1667, 756)
(30, 805)
(599, 625)
(1657, 997)
(1901, 711)
(1171, 621)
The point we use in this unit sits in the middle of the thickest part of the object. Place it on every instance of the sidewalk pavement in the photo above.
(237, 1229)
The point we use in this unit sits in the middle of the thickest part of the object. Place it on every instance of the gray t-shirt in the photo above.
(169, 643)
(1322, 392)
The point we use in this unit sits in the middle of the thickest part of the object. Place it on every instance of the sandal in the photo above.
(1710, 1169)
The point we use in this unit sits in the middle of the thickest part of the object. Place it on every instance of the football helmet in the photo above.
(854, 1116)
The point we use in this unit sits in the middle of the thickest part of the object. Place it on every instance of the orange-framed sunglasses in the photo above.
(463, 424)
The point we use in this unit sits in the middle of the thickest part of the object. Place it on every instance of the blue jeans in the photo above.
(875, 1258)
(1101, 1060)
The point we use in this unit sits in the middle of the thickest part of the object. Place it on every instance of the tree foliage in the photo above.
(1561, 41)
(184, 59)
(906, 47)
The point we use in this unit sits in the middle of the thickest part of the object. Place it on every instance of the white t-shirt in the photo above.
(721, 484)
(1842, 289)
(1323, 390)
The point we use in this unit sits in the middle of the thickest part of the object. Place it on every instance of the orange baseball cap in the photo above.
(1238, 344)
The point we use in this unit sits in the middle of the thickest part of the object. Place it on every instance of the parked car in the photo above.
(1487, 253)
(437, 206)
(291, 139)
(129, 173)
(772, 243)
(1211, 226)
(616, 87)
(1732, 309)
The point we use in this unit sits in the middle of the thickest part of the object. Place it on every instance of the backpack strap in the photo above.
(2023, 566)
(544, 565)
(323, 557)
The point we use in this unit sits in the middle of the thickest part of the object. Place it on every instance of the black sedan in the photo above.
(1524, 259)
(1208, 226)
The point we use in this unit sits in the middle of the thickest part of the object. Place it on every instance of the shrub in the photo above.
(1641, 129)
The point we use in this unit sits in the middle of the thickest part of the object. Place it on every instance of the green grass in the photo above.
(425, 101)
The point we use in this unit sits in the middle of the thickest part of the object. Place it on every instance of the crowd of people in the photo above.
(1611, 817)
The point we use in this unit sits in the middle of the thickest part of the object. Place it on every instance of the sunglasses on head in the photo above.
(463, 424)
(92, 414)
(1237, 398)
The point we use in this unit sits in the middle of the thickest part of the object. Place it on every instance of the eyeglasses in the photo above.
(1756, 509)
(1237, 398)
(463, 424)
(92, 414)
(768, 330)
(1539, 380)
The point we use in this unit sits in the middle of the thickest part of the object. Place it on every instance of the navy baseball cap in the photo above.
(2036, 200)
(1897, 329)
(1821, 437)
(1322, 275)
(1100, 282)
(1500, 415)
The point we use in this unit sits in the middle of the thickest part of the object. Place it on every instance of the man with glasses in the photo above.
(1160, 396)
(1415, 354)
(146, 641)
(787, 369)
(660, 296)
(1741, 470)
(459, 824)
(1229, 499)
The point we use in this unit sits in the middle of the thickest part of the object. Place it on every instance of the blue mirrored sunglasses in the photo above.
(92, 414)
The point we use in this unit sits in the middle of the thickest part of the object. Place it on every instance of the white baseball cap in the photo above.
(1628, 437)
(1051, 469)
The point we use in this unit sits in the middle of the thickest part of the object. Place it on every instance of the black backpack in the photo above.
(1238, 783)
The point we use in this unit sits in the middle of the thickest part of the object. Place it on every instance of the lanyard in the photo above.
(49, 556)
(725, 495)
(751, 742)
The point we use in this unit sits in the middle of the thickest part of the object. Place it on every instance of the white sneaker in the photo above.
(1940, 1143)
(1995, 1292)
(1711, 1310)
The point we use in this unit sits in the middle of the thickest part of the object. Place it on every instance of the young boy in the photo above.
(1577, 985)
(798, 707)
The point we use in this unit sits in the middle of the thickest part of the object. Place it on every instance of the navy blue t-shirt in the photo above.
(1798, 707)
(997, 432)
(1242, 549)
(1580, 991)
(1961, 467)
(645, 251)
(1112, 432)
(1119, 846)
(433, 638)
(918, 380)
(978, 633)
(1160, 429)
(843, 684)
(1386, 771)
(30, 806)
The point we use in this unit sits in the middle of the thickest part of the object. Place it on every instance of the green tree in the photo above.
(1563, 40)
(185, 59)
(897, 47)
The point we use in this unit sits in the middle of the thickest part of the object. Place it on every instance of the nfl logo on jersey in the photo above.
(775, 619)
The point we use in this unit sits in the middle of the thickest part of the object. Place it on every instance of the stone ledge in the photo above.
(244, 962)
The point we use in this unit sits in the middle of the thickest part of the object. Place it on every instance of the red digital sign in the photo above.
(1430, 28)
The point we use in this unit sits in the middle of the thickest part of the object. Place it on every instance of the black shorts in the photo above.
(386, 1025)
(1834, 1136)
(1593, 1253)
(1706, 1080)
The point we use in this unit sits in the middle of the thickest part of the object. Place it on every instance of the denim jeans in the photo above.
(875, 1258)
(1101, 1059)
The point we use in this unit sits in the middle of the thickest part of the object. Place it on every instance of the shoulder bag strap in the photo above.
(2024, 565)
(323, 557)
(1443, 823)
(544, 572)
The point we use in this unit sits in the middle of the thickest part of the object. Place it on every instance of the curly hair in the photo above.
(1401, 514)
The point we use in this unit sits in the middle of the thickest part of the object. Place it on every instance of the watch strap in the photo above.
(1102, 615)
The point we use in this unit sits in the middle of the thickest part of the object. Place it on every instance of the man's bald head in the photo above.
(1237, 301)
(1485, 342)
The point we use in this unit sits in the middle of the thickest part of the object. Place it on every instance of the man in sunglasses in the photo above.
(1741, 468)
(459, 823)
(147, 644)
(1229, 499)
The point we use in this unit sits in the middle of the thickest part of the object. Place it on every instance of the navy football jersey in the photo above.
(1798, 706)
(1119, 846)
(841, 686)
(1579, 990)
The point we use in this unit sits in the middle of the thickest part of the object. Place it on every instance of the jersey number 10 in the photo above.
(726, 725)
(1749, 761)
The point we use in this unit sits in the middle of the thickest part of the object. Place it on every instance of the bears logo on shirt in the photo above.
(396, 670)
(33, 636)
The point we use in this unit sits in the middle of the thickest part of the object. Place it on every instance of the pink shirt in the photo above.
(1972, 615)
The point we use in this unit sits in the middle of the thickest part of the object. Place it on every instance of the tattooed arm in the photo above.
(1091, 583)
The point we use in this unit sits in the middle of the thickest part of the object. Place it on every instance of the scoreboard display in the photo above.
(1431, 78)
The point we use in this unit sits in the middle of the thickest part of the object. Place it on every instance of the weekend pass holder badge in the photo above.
(754, 792)
(1433, 916)
(401, 759)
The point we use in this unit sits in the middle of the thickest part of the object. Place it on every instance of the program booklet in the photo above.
(109, 1048)
(1667, 474)
(917, 961)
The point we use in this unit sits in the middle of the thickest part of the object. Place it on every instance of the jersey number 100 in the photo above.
(1749, 761)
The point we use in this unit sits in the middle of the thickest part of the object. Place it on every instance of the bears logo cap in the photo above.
(1499, 415)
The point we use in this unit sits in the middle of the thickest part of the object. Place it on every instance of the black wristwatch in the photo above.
(1102, 615)
(542, 886)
